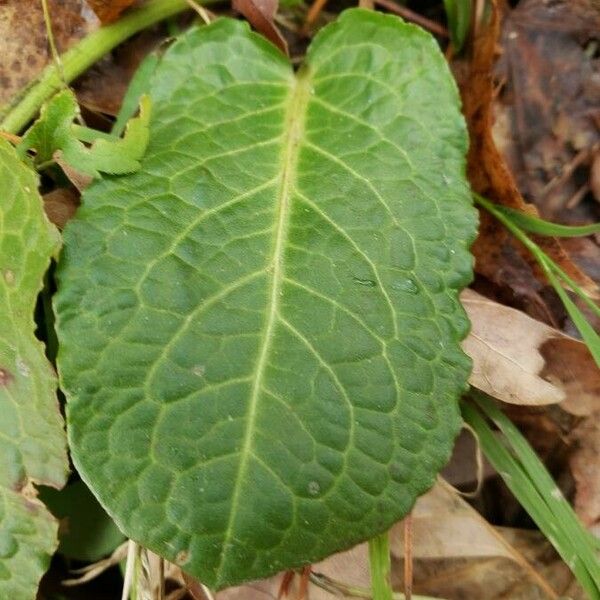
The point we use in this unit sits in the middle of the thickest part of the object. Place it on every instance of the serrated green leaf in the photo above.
(32, 440)
(52, 130)
(260, 330)
(55, 131)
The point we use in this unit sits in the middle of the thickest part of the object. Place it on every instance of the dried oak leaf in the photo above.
(60, 205)
(522, 361)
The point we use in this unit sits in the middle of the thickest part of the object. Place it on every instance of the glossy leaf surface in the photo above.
(260, 330)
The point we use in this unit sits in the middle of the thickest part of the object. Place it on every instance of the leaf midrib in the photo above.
(293, 130)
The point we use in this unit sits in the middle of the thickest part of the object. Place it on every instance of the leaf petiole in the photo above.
(380, 566)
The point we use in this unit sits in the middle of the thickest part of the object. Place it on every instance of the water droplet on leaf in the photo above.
(364, 282)
(406, 285)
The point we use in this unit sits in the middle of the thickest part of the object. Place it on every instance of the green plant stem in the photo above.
(82, 56)
(380, 566)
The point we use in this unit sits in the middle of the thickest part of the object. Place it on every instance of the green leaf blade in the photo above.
(271, 360)
(32, 440)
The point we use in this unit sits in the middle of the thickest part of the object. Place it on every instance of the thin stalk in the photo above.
(129, 569)
(51, 41)
(82, 56)
(380, 566)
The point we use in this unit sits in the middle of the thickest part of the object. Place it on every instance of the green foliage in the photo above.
(32, 441)
(527, 478)
(87, 532)
(534, 224)
(55, 131)
(458, 13)
(138, 86)
(260, 330)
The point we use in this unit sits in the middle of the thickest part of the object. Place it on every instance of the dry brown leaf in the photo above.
(458, 554)
(523, 361)
(583, 461)
(261, 15)
(540, 554)
(24, 49)
(60, 205)
(109, 10)
(490, 177)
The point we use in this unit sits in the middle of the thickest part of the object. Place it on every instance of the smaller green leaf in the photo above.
(51, 131)
(55, 131)
(122, 155)
(541, 227)
(87, 532)
(32, 438)
(138, 85)
(458, 13)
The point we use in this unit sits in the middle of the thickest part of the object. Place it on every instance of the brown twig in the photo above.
(580, 158)
(577, 197)
(286, 584)
(313, 12)
(13, 139)
(303, 586)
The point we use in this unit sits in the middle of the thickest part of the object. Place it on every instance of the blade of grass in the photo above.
(570, 283)
(554, 274)
(541, 227)
(458, 13)
(534, 467)
(380, 566)
(527, 478)
(589, 335)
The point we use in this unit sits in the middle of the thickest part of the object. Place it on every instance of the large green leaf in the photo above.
(32, 440)
(260, 330)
